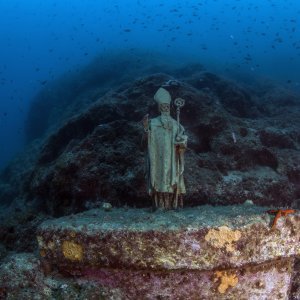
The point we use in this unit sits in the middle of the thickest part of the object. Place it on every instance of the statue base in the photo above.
(196, 253)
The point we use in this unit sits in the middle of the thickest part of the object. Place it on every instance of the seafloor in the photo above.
(84, 149)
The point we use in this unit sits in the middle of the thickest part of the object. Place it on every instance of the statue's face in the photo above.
(164, 107)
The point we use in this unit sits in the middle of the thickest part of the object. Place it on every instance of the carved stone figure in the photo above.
(166, 144)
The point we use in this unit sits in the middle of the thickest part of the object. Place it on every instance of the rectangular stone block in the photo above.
(202, 238)
(195, 253)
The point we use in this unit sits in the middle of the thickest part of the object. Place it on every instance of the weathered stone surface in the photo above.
(24, 277)
(267, 281)
(295, 288)
(20, 275)
(205, 252)
(199, 238)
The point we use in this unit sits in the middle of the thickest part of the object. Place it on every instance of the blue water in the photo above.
(43, 39)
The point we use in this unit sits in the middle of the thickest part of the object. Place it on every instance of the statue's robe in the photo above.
(165, 162)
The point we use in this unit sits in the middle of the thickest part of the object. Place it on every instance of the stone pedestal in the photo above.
(196, 253)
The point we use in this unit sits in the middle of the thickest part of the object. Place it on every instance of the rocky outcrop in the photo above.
(232, 156)
(24, 276)
(243, 145)
(198, 253)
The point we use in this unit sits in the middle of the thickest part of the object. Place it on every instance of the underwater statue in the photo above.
(166, 144)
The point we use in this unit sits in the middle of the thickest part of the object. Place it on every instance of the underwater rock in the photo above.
(17, 228)
(94, 154)
(211, 252)
(6, 193)
(107, 206)
(295, 289)
(272, 138)
(23, 276)
(235, 99)
(97, 154)
(3, 251)
(74, 92)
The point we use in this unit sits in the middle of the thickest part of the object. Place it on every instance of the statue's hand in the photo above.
(181, 139)
(145, 121)
(181, 145)
(181, 142)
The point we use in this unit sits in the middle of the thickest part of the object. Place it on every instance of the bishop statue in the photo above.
(166, 143)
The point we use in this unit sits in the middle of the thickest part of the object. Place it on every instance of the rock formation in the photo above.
(243, 146)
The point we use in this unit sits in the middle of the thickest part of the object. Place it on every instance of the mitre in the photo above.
(162, 96)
